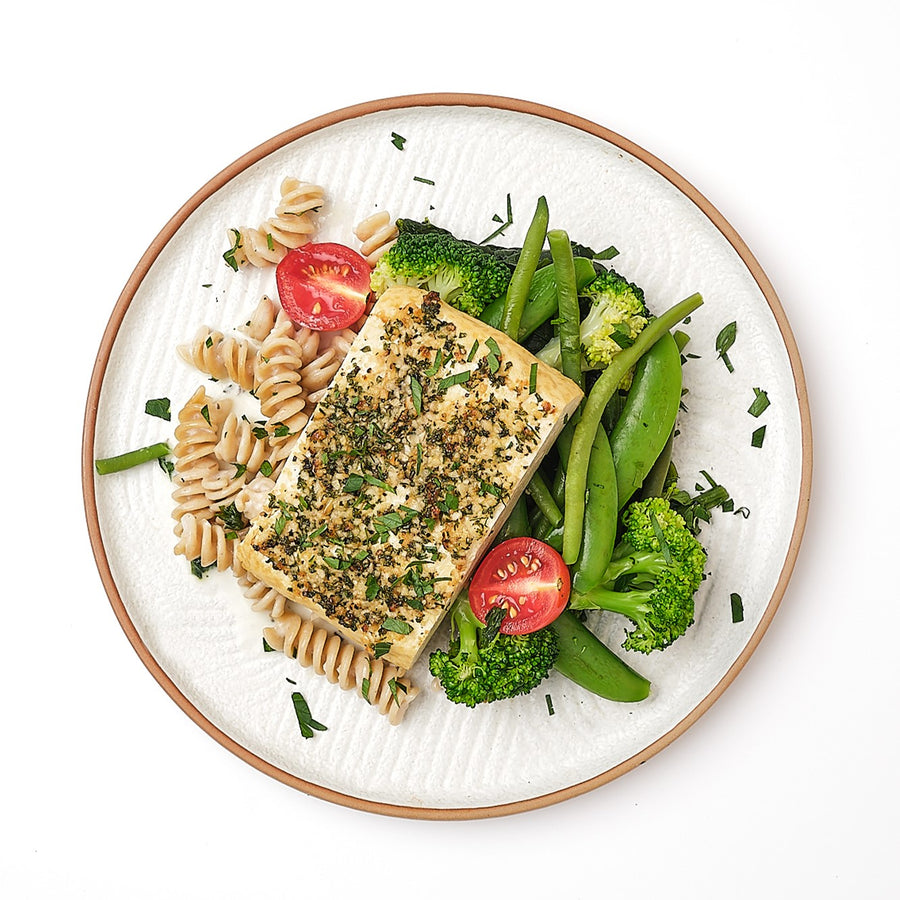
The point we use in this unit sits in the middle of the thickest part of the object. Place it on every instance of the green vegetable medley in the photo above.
(606, 497)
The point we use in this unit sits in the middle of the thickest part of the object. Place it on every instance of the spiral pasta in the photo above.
(208, 542)
(381, 684)
(377, 234)
(279, 382)
(251, 499)
(320, 366)
(292, 225)
(196, 437)
(262, 598)
(261, 320)
(223, 358)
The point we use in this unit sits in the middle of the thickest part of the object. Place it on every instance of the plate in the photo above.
(463, 161)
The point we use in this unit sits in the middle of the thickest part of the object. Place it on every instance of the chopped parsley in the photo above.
(159, 407)
(308, 725)
(760, 403)
(724, 342)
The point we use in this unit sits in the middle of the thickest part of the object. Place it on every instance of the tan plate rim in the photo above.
(254, 156)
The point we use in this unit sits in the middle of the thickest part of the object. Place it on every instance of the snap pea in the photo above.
(647, 419)
(541, 302)
(592, 411)
(655, 482)
(601, 515)
(586, 660)
(520, 283)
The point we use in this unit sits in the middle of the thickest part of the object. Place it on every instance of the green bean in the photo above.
(543, 499)
(592, 411)
(601, 517)
(586, 660)
(648, 417)
(130, 459)
(569, 318)
(541, 302)
(520, 283)
(516, 524)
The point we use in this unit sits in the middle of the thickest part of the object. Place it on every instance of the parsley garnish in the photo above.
(434, 368)
(450, 380)
(422, 180)
(415, 387)
(199, 570)
(532, 379)
(229, 254)
(308, 725)
(397, 140)
(160, 407)
(758, 436)
(381, 648)
(504, 224)
(353, 483)
(398, 626)
(760, 403)
(724, 342)
(737, 608)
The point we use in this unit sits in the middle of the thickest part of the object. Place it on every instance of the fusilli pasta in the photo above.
(292, 225)
(377, 234)
(279, 383)
(223, 358)
(380, 683)
(196, 437)
(208, 542)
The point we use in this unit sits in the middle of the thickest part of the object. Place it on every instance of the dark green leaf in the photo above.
(450, 380)
(758, 436)
(308, 725)
(159, 407)
(353, 483)
(737, 608)
(760, 403)
(725, 341)
(415, 387)
(398, 626)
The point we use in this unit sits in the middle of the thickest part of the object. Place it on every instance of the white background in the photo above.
(784, 115)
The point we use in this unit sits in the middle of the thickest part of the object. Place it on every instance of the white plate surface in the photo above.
(200, 638)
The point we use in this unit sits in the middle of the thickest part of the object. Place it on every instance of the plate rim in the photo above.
(265, 149)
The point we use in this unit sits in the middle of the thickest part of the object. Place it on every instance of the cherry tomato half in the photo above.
(526, 577)
(323, 286)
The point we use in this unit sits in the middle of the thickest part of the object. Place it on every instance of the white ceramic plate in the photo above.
(201, 640)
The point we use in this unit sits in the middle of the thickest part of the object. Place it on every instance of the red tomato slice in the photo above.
(526, 577)
(323, 286)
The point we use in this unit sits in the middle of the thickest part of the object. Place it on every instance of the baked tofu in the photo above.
(405, 471)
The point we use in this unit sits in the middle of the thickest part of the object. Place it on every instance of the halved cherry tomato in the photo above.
(323, 286)
(526, 577)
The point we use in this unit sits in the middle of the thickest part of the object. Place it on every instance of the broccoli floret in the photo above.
(463, 274)
(482, 665)
(617, 315)
(655, 571)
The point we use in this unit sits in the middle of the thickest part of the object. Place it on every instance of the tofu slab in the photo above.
(407, 468)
